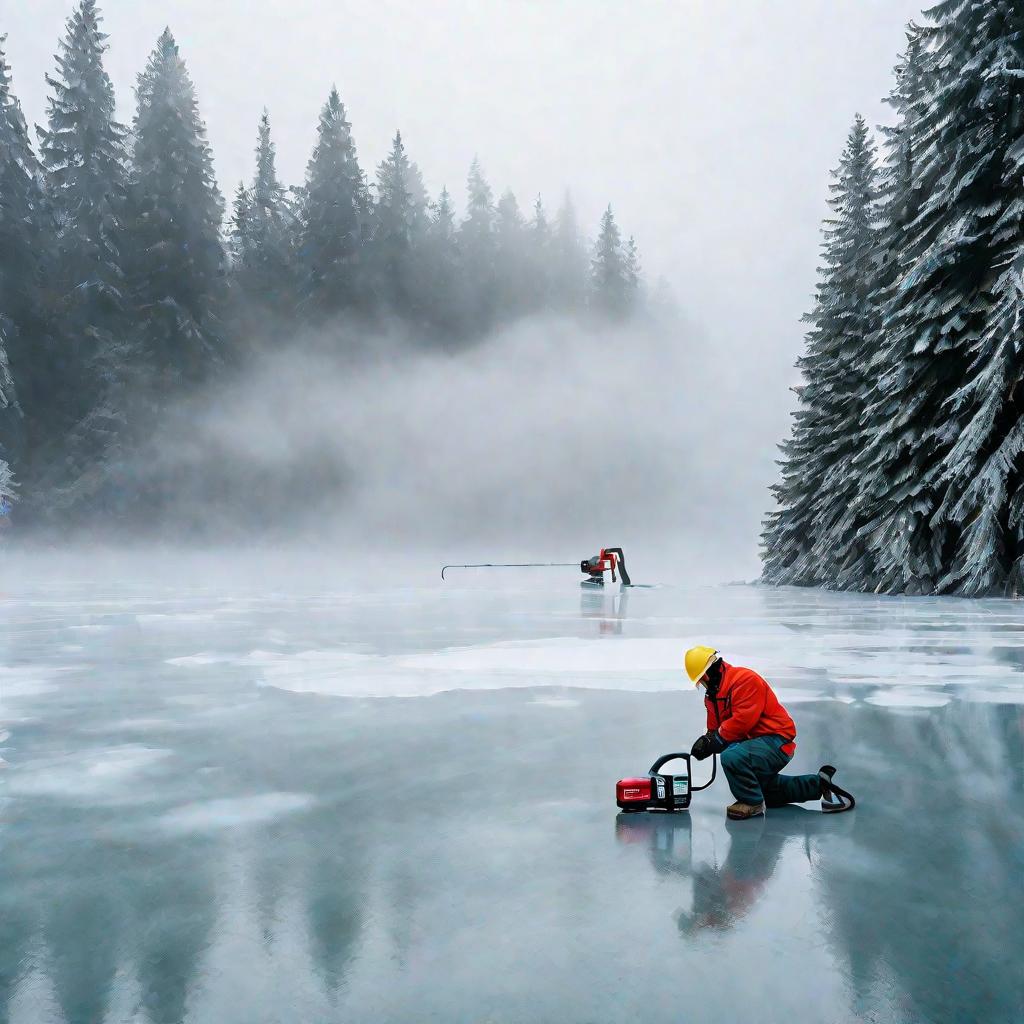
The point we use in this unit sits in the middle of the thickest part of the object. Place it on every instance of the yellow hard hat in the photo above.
(698, 660)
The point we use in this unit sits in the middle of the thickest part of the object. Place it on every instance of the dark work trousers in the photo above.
(752, 769)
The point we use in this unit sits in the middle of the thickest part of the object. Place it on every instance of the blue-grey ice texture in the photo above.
(259, 803)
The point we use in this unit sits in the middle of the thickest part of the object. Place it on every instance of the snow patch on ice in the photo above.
(317, 659)
(99, 775)
(15, 688)
(132, 725)
(903, 699)
(194, 700)
(556, 702)
(558, 654)
(212, 815)
(637, 665)
(173, 618)
(26, 681)
(11, 675)
(202, 658)
(788, 695)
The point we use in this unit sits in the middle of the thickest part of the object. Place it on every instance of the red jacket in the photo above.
(746, 706)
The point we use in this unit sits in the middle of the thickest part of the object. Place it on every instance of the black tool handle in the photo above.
(665, 758)
(622, 564)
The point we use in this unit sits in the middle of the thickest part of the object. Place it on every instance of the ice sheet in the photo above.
(392, 805)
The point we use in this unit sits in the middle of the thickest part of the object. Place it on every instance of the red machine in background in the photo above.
(607, 560)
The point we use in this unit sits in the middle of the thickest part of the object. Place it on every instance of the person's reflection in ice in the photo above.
(724, 894)
(607, 605)
(667, 837)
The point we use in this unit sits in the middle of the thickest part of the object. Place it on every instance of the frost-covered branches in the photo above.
(929, 440)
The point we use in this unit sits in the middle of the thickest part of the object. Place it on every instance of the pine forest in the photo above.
(128, 281)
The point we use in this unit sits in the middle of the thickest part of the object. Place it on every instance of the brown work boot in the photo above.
(740, 812)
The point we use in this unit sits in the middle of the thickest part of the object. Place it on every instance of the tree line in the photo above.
(127, 282)
(904, 470)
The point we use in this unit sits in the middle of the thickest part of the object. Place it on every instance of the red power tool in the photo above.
(660, 791)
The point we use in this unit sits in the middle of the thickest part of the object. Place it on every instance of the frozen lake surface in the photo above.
(258, 803)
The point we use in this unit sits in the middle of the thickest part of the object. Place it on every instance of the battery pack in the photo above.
(658, 790)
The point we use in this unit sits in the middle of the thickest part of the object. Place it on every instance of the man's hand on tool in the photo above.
(708, 744)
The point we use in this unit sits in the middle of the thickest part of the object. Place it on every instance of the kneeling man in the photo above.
(755, 738)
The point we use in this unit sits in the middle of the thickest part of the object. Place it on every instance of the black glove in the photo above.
(708, 744)
(701, 748)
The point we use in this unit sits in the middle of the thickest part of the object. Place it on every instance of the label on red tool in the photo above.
(633, 789)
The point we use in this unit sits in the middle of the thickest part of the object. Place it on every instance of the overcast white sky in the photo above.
(710, 126)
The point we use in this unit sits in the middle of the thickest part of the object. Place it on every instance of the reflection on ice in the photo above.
(988, 695)
(724, 891)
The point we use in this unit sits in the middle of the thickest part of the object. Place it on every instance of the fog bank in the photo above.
(546, 441)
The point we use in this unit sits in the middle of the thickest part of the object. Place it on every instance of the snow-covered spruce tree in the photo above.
(177, 272)
(437, 269)
(632, 272)
(23, 248)
(10, 417)
(989, 456)
(83, 151)
(333, 211)
(610, 293)
(817, 483)
(477, 254)
(8, 395)
(418, 191)
(7, 486)
(539, 256)
(944, 468)
(260, 242)
(899, 194)
(983, 472)
(238, 230)
(540, 229)
(514, 296)
(570, 266)
(398, 222)
(850, 553)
